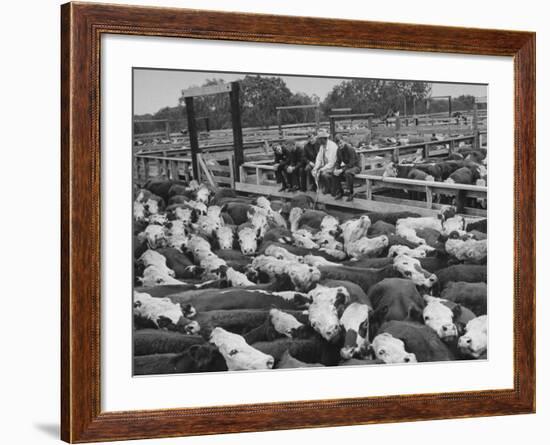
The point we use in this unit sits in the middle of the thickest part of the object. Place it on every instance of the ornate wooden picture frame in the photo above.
(82, 26)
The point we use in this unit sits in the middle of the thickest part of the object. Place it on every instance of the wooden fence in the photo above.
(259, 177)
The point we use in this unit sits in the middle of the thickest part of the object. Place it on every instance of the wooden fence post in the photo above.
(475, 128)
(193, 135)
(237, 128)
(167, 129)
(426, 150)
(397, 123)
(332, 128)
(460, 201)
(317, 118)
(368, 189)
(395, 155)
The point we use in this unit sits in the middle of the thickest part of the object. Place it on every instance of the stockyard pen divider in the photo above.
(255, 180)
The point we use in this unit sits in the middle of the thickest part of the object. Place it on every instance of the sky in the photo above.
(155, 89)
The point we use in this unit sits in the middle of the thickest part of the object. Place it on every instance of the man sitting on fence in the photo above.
(346, 167)
(307, 154)
(286, 163)
(325, 160)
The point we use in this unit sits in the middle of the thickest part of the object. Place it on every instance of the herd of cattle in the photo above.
(225, 282)
(464, 166)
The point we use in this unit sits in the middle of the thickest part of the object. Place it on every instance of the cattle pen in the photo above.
(241, 158)
(323, 237)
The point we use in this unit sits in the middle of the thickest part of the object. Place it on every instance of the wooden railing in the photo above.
(258, 177)
(427, 189)
(217, 168)
(429, 149)
(214, 168)
(148, 166)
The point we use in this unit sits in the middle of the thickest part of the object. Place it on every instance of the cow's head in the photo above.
(263, 202)
(225, 237)
(139, 211)
(355, 320)
(398, 249)
(446, 212)
(178, 241)
(329, 224)
(411, 268)
(303, 238)
(282, 254)
(155, 276)
(474, 342)
(236, 278)
(201, 253)
(207, 226)
(259, 220)
(188, 327)
(390, 170)
(475, 251)
(303, 276)
(159, 219)
(294, 216)
(285, 324)
(248, 240)
(237, 353)
(440, 318)
(183, 214)
(214, 212)
(355, 228)
(153, 258)
(155, 236)
(202, 194)
(152, 206)
(391, 350)
(456, 223)
(324, 311)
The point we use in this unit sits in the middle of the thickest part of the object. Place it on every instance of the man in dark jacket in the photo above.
(307, 154)
(286, 163)
(346, 167)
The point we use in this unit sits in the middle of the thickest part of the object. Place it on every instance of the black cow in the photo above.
(471, 295)
(157, 341)
(365, 278)
(462, 272)
(418, 339)
(197, 358)
(393, 299)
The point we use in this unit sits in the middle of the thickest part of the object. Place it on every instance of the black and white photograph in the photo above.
(283, 221)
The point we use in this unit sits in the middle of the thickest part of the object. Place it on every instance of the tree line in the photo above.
(260, 95)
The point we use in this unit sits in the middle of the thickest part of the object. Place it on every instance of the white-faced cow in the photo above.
(355, 321)
(474, 342)
(238, 354)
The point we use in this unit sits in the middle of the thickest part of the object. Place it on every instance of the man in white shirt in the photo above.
(325, 161)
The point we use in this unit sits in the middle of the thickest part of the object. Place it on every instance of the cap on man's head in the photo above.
(323, 133)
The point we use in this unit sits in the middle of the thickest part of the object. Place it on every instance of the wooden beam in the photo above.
(206, 172)
(357, 204)
(296, 107)
(237, 127)
(207, 91)
(342, 117)
(193, 134)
